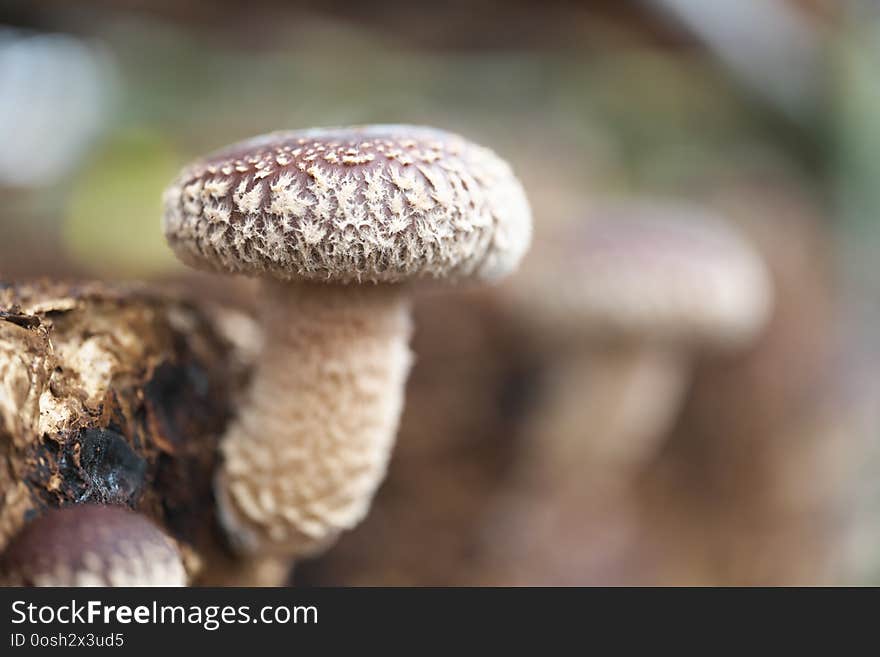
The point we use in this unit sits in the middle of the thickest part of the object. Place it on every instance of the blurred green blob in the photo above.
(858, 125)
(112, 225)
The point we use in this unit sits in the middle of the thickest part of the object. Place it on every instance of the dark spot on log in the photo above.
(185, 408)
(116, 471)
(171, 395)
(25, 321)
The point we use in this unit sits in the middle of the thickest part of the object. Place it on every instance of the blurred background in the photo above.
(766, 112)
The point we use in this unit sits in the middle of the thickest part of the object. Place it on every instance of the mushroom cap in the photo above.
(651, 271)
(384, 203)
(91, 545)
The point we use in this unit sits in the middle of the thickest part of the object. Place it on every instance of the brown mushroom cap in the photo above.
(652, 272)
(91, 545)
(387, 203)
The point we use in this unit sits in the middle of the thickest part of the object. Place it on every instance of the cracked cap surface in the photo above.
(373, 204)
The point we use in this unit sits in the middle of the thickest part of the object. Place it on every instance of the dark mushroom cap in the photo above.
(387, 203)
(651, 271)
(91, 545)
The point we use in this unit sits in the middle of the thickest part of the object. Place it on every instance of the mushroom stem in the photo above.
(312, 441)
(607, 409)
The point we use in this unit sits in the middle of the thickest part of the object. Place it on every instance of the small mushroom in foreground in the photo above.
(337, 221)
(91, 545)
(631, 297)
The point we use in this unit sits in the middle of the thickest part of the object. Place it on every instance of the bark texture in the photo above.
(113, 395)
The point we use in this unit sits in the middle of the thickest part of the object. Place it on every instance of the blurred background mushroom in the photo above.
(617, 310)
(764, 113)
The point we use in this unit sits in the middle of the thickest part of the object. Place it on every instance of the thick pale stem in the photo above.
(311, 443)
(607, 410)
